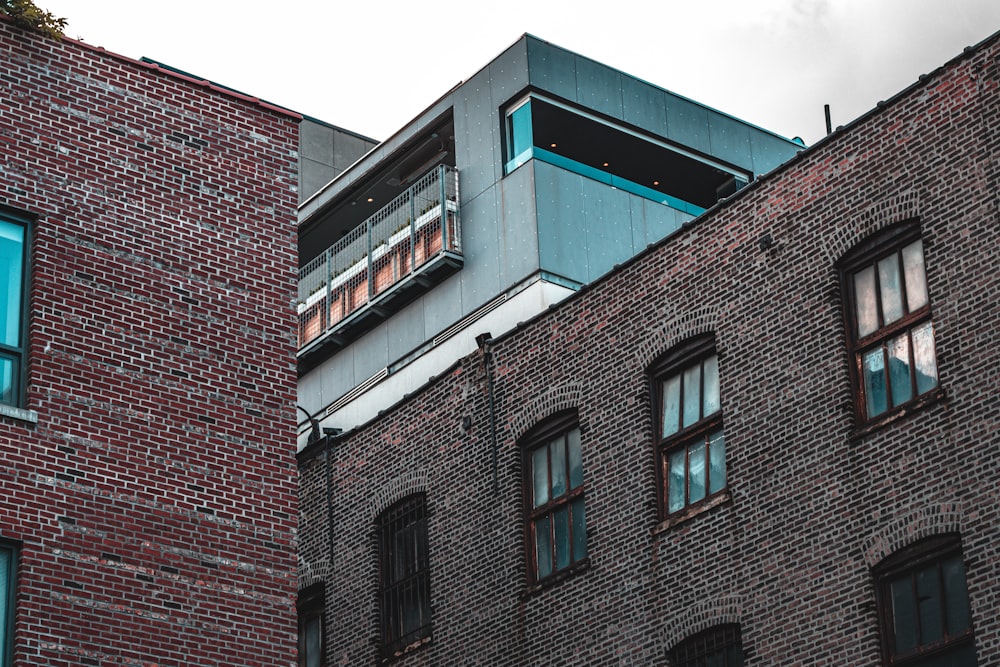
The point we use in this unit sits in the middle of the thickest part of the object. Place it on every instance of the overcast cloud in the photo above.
(372, 66)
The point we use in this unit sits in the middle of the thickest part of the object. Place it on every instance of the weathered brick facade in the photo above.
(150, 490)
(814, 502)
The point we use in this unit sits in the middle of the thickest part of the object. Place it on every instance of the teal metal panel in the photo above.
(551, 68)
(770, 151)
(659, 221)
(477, 137)
(509, 72)
(730, 140)
(644, 106)
(336, 379)
(518, 226)
(562, 222)
(406, 329)
(371, 352)
(609, 227)
(443, 305)
(687, 123)
(599, 87)
(481, 248)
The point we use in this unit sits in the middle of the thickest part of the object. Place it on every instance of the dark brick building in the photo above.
(769, 439)
(147, 256)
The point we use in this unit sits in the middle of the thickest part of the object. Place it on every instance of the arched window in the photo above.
(718, 646)
(923, 606)
(555, 526)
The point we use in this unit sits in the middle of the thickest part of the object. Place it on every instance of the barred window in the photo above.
(404, 576)
(8, 569)
(716, 647)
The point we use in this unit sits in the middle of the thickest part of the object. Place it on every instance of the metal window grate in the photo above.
(404, 575)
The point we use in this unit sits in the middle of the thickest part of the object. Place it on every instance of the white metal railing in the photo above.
(387, 248)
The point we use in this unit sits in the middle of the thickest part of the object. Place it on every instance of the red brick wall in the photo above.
(154, 498)
(813, 503)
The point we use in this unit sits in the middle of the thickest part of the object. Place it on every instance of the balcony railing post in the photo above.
(327, 293)
(444, 206)
(371, 271)
(413, 234)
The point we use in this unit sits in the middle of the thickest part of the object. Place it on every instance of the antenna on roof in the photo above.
(829, 125)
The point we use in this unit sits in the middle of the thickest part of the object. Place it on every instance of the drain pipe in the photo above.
(483, 341)
(328, 436)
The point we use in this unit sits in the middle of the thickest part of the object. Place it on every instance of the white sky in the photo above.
(371, 66)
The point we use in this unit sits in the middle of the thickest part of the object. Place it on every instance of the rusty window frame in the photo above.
(687, 355)
(718, 646)
(310, 608)
(552, 434)
(867, 256)
(404, 593)
(930, 554)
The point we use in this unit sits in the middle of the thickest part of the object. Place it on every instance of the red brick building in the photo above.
(147, 264)
(769, 439)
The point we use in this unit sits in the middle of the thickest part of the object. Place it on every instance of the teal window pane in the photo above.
(865, 303)
(557, 449)
(890, 288)
(710, 400)
(956, 597)
(8, 388)
(560, 519)
(519, 136)
(924, 357)
(899, 369)
(671, 405)
(696, 472)
(929, 604)
(5, 584)
(313, 642)
(873, 367)
(11, 269)
(692, 395)
(904, 618)
(676, 481)
(913, 273)
(540, 475)
(717, 462)
(543, 547)
(579, 530)
(575, 459)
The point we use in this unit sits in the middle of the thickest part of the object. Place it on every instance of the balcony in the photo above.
(403, 249)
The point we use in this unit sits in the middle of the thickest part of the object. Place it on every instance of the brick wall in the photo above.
(813, 505)
(153, 499)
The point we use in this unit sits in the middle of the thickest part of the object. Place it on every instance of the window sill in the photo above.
(692, 511)
(552, 580)
(896, 414)
(406, 650)
(29, 416)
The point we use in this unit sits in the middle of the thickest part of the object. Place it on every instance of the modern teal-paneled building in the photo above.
(514, 189)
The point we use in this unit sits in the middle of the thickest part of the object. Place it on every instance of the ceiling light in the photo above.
(605, 164)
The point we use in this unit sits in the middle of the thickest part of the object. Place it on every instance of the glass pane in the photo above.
(956, 599)
(874, 370)
(540, 475)
(313, 642)
(5, 563)
(561, 524)
(924, 357)
(575, 459)
(892, 297)
(675, 484)
(865, 306)
(579, 530)
(671, 405)
(520, 140)
(557, 448)
(696, 472)
(899, 369)
(543, 547)
(904, 619)
(913, 272)
(929, 603)
(8, 371)
(692, 394)
(711, 398)
(11, 261)
(717, 460)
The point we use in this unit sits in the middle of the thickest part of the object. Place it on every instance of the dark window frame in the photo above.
(19, 354)
(910, 561)
(311, 605)
(694, 351)
(13, 550)
(714, 642)
(404, 579)
(542, 435)
(867, 255)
